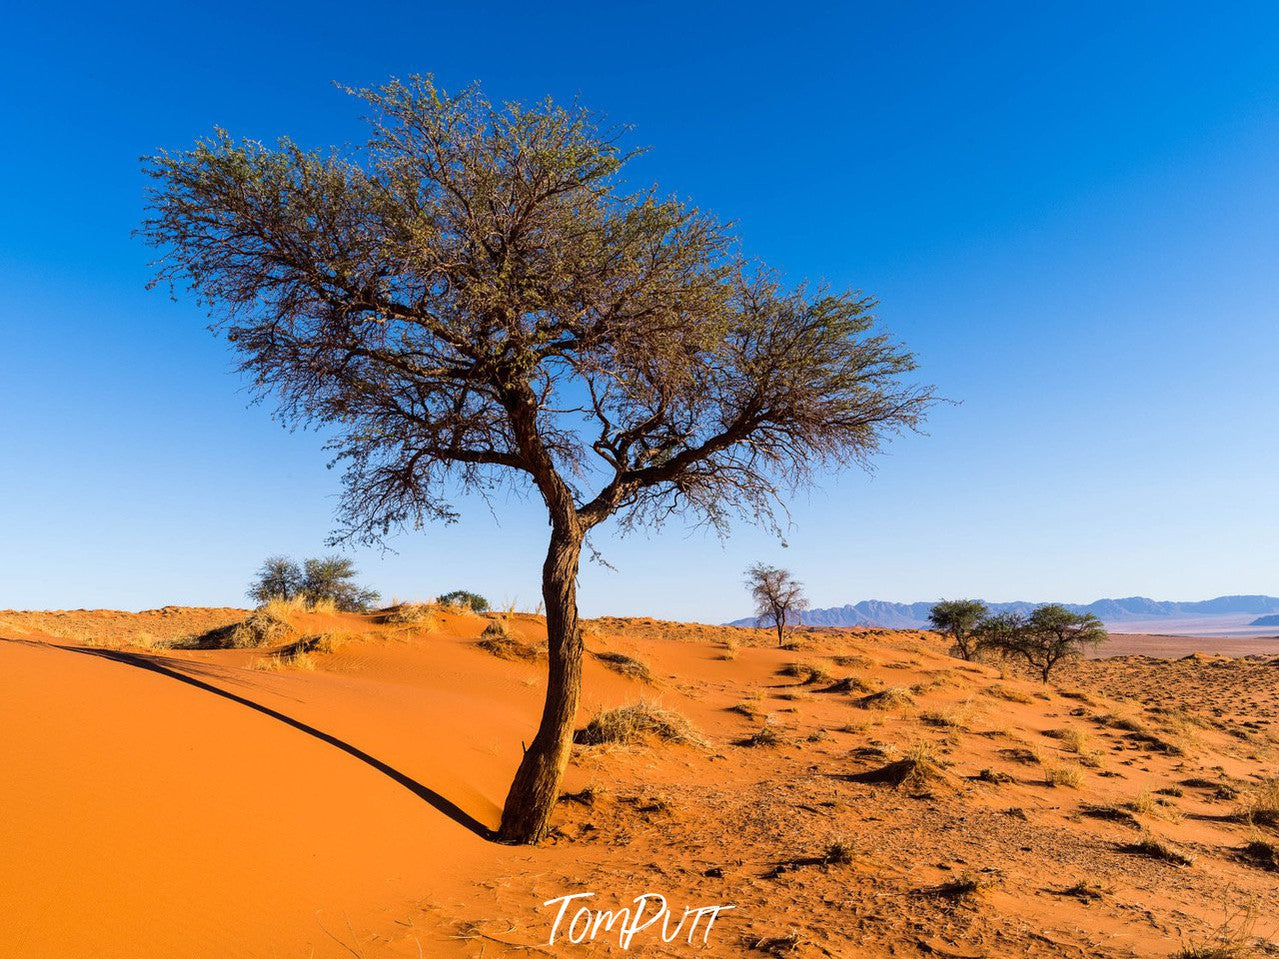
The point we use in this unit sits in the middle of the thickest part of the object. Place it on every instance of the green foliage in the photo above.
(326, 580)
(461, 597)
(279, 578)
(332, 579)
(1048, 636)
(958, 618)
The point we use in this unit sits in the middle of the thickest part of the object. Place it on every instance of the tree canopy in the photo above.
(958, 619)
(475, 297)
(779, 597)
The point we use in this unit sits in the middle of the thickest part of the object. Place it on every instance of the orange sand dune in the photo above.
(175, 803)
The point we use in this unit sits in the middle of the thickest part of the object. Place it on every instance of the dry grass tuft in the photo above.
(263, 627)
(627, 666)
(1086, 891)
(997, 691)
(894, 697)
(1155, 848)
(839, 852)
(966, 886)
(1261, 804)
(916, 769)
(294, 659)
(421, 616)
(1263, 853)
(768, 735)
(806, 673)
(627, 725)
(850, 684)
(1068, 775)
(497, 639)
(854, 661)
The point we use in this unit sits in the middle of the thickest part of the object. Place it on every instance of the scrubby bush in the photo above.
(279, 578)
(636, 723)
(322, 582)
(467, 600)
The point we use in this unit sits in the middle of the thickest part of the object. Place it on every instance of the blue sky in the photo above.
(1070, 212)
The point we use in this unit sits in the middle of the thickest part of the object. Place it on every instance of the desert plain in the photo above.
(331, 791)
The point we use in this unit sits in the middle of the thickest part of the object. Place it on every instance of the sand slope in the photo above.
(183, 803)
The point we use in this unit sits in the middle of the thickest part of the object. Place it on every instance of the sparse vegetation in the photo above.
(779, 598)
(420, 616)
(625, 665)
(958, 619)
(1050, 635)
(895, 697)
(327, 581)
(768, 735)
(466, 600)
(1263, 853)
(1155, 848)
(1261, 804)
(627, 725)
(1069, 776)
(916, 769)
(806, 673)
(498, 640)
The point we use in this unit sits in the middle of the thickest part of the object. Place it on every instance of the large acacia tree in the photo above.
(474, 297)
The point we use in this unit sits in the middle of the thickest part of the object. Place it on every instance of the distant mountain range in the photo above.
(874, 612)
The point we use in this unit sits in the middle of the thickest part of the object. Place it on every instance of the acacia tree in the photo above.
(1048, 636)
(779, 597)
(279, 578)
(958, 618)
(473, 297)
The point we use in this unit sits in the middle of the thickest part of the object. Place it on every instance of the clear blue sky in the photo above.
(1070, 211)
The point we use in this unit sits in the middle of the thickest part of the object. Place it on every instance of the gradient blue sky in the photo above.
(1070, 211)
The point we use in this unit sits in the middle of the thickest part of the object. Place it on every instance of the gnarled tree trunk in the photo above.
(526, 814)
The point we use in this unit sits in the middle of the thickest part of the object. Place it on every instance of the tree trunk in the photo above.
(526, 814)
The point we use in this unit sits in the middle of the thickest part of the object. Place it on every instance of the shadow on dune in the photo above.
(152, 664)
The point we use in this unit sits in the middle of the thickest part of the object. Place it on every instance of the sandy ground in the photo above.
(191, 803)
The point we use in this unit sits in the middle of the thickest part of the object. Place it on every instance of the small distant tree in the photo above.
(958, 619)
(779, 598)
(332, 579)
(1050, 635)
(462, 597)
(279, 578)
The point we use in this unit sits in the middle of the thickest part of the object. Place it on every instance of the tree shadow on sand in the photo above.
(155, 665)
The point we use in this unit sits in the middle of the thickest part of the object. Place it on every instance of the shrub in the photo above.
(1262, 803)
(627, 666)
(415, 615)
(767, 735)
(498, 640)
(636, 723)
(465, 599)
(1263, 853)
(806, 673)
(892, 698)
(850, 684)
(263, 627)
(918, 768)
(1155, 848)
(1070, 776)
